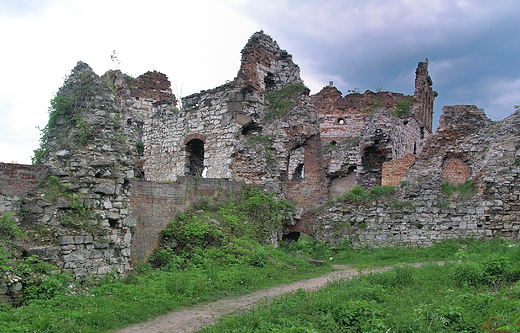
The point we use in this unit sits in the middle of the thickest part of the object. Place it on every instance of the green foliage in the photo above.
(230, 233)
(359, 194)
(374, 104)
(8, 227)
(263, 139)
(404, 299)
(402, 107)
(465, 190)
(283, 100)
(78, 215)
(192, 232)
(76, 95)
(139, 146)
(354, 91)
(403, 204)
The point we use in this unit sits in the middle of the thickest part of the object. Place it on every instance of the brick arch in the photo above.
(195, 136)
(455, 171)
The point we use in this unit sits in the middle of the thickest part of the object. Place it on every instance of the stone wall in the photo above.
(16, 181)
(155, 204)
(420, 213)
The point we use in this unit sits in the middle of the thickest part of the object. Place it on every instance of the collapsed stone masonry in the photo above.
(466, 149)
(122, 161)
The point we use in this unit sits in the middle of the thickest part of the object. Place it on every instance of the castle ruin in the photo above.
(129, 152)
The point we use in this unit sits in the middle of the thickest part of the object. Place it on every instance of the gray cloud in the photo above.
(472, 45)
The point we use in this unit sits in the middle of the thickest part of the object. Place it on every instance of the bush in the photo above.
(496, 268)
(8, 227)
(467, 273)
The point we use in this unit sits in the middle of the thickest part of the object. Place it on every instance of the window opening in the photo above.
(195, 157)
(299, 173)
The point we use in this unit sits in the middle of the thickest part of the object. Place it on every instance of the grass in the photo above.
(282, 101)
(216, 251)
(465, 190)
(431, 298)
(477, 292)
(360, 194)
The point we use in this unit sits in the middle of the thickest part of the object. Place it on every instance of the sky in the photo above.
(472, 47)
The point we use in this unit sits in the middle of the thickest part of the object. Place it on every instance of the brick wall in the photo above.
(311, 190)
(16, 180)
(155, 204)
(393, 171)
(455, 172)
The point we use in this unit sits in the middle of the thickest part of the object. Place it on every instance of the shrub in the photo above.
(467, 273)
(402, 107)
(496, 267)
(8, 227)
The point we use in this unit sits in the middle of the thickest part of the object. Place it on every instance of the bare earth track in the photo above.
(194, 318)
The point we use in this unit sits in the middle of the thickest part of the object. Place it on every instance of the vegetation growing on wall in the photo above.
(402, 107)
(217, 230)
(283, 100)
(359, 193)
(465, 190)
(77, 94)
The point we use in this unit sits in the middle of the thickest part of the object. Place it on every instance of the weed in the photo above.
(465, 190)
(281, 101)
(359, 194)
(403, 204)
(8, 227)
(139, 147)
(402, 107)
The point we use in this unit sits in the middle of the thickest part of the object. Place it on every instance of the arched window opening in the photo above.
(195, 157)
(341, 121)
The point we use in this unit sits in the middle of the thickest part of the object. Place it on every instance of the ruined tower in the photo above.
(424, 97)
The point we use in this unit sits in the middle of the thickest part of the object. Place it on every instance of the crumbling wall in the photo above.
(155, 204)
(424, 96)
(385, 138)
(245, 136)
(16, 181)
(83, 204)
(359, 137)
(394, 171)
(420, 213)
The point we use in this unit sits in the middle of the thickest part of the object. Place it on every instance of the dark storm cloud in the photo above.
(472, 46)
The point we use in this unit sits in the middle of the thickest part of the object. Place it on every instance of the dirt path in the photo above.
(198, 316)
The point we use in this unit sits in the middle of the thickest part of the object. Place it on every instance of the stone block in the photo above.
(105, 188)
(243, 119)
(65, 240)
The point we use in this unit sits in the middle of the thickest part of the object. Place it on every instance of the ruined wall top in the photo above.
(265, 66)
(456, 123)
(153, 86)
(329, 99)
(424, 97)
